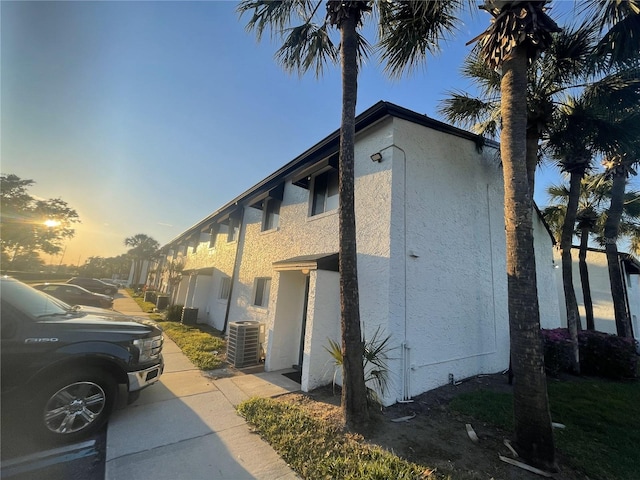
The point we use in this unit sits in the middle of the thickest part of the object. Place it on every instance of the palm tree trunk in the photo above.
(623, 323)
(532, 157)
(571, 303)
(354, 393)
(534, 436)
(584, 279)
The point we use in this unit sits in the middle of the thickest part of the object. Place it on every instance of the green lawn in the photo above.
(203, 345)
(316, 449)
(602, 420)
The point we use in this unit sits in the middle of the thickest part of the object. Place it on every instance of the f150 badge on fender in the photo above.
(40, 340)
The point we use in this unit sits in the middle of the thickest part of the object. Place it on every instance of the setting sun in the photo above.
(52, 223)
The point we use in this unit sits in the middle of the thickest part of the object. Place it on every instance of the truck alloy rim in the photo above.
(74, 407)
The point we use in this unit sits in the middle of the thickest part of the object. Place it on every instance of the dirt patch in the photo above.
(434, 436)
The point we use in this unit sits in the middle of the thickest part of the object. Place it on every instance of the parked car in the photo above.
(62, 369)
(115, 282)
(75, 295)
(94, 285)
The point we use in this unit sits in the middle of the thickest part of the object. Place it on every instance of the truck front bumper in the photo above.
(143, 378)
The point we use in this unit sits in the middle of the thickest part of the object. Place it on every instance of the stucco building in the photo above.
(431, 255)
(603, 314)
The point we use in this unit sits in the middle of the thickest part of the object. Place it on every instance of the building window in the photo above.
(262, 287)
(213, 234)
(270, 214)
(234, 226)
(325, 192)
(225, 288)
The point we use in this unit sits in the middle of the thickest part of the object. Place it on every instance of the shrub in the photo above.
(557, 351)
(601, 354)
(174, 313)
(608, 355)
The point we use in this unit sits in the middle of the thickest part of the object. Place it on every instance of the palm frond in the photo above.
(620, 22)
(274, 15)
(464, 110)
(409, 30)
(485, 77)
(567, 58)
(305, 46)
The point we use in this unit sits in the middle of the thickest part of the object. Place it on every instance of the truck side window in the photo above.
(10, 321)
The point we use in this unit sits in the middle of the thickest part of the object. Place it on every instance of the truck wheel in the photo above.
(76, 404)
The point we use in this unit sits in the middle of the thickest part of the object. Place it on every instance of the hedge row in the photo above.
(601, 354)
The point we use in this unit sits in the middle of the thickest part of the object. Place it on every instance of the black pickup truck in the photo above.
(63, 368)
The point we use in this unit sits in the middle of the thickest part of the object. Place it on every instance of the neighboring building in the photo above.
(603, 316)
(431, 255)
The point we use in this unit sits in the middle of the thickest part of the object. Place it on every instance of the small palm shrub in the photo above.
(374, 361)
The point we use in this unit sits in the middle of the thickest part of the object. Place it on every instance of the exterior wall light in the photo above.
(376, 157)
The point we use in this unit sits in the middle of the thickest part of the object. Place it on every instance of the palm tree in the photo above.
(561, 68)
(595, 195)
(594, 123)
(305, 46)
(619, 46)
(618, 167)
(143, 248)
(519, 32)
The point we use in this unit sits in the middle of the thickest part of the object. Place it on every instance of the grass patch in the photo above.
(316, 449)
(602, 421)
(203, 345)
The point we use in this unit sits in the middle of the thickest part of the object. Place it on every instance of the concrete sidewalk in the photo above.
(185, 426)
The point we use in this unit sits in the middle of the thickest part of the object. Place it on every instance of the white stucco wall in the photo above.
(218, 260)
(299, 234)
(431, 263)
(604, 317)
(323, 322)
(546, 276)
(455, 280)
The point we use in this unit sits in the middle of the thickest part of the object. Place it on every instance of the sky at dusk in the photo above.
(145, 117)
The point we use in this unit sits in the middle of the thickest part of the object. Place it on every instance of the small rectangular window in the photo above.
(262, 287)
(234, 226)
(325, 192)
(270, 214)
(213, 234)
(225, 288)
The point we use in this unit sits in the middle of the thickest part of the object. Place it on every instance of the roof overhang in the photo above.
(321, 261)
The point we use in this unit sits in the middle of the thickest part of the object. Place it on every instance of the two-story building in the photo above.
(431, 255)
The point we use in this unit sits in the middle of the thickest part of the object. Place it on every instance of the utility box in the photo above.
(189, 316)
(162, 302)
(244, 345)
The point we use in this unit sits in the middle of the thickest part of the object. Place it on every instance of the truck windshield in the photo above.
(30, 301)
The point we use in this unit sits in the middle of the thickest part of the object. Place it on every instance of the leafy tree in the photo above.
(30, 225)
(99, 267)
(143, 248)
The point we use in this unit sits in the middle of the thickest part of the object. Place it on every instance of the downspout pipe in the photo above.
(234, 272)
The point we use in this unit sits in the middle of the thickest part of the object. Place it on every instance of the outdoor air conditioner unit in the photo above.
(244, 346)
